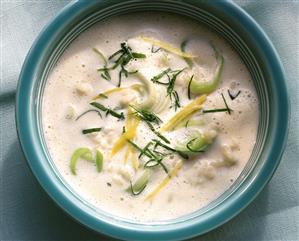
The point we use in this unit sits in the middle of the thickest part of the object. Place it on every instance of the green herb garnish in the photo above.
(215, 110)
(154, 160)
(108, 111)
(232, 97)
(159, 143)
(157, 133)
(125, 55)
(170, 88)
(91, 130)
(146, 115)
(105, 73)
(189, 84)
(226, 109)
(153, 50)
(159, 76)
(176, 99)
(172, 80)
(121, 58)
(171, 75)
(224, 100)
(145, 150)
(85, 112)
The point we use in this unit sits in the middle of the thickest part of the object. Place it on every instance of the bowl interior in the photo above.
(254, 56)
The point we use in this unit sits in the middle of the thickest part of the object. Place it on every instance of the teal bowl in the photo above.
(244, 35)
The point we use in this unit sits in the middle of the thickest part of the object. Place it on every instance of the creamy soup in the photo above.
(150, 116)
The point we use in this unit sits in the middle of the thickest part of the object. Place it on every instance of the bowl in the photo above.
(244, 35)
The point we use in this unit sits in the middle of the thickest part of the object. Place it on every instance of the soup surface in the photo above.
(150, 116)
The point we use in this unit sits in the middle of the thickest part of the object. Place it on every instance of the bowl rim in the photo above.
(230, 209)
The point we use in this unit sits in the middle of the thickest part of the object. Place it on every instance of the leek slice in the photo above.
(184, 113)
(99, 161)
(84, 153)
(198, 87)
(188, 60)
(168, 47)
(138, 186)
(156, 100)
(101, 55)
(194, 144)
(165, 181)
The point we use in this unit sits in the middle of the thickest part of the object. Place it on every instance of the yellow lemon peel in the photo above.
(168, 47)
(184, 113)
(165, 181)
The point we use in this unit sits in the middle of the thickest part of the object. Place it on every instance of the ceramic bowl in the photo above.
(245, 36)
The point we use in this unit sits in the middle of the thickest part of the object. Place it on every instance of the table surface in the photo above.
(26, 211)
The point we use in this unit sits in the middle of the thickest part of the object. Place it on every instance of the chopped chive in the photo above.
(139, 148)
(153, 162)
(91, 130)
(232, 97)
(121, 58)
(108, 111)
(176, 100)
(85, 112)
(189, 84)
(145, 149)
(124, 129)
(228, 109)
(103, 96)
(183, 47)
(152, 157)
(170, 87)
(159, 76)
(159, 143)
(157, 133)
(155, 50)
(215, 110)
(115, 54)
(146, 115)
